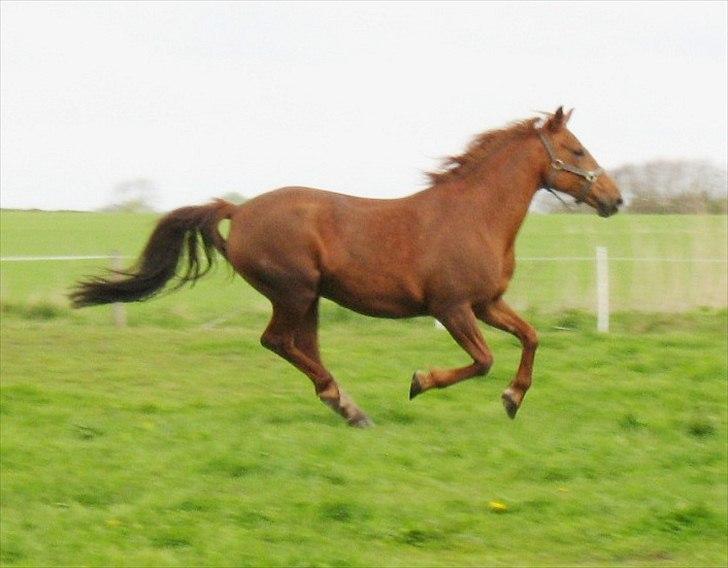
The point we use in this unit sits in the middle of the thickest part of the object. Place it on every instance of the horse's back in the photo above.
(359, 252)
(303, 216)
(288, 216)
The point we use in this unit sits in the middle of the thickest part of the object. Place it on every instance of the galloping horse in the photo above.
(447, 252)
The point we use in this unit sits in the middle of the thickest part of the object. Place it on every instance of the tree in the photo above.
(134, 195)
(673, 186)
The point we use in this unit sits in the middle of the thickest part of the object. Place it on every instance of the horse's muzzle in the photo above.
(608, 208)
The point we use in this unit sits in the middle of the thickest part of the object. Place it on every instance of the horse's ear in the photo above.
(557, 120)
(567, 116)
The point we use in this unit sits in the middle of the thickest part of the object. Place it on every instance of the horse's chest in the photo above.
(495, 275)
(508, 268)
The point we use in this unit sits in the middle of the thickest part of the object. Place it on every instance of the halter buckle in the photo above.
(557, 164)
(591, 177)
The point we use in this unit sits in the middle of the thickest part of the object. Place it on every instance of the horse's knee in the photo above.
(275, 342)
(268, 341)
(483, 363)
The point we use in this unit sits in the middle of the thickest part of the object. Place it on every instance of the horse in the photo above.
(447, 251)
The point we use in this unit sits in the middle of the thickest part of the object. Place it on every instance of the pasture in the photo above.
(179, 441)
(681, 283)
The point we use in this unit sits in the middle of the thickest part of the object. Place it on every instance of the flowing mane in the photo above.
(458, 167)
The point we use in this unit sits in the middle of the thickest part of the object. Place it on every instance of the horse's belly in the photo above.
(374, 295)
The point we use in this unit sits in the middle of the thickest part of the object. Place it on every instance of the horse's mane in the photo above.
(482, 146)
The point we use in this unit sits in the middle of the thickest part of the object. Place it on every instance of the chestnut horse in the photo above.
(447, 252)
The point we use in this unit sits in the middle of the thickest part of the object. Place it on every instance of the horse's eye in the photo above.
(579, 152)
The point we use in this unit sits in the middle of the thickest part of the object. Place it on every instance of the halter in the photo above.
(590, 176)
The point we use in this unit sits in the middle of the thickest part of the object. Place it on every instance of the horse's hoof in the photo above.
(362, 421)
(509, 403)
(415, 386)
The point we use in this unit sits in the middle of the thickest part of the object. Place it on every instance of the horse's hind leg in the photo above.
(500, 315)
(463, 327)
(306, 338)
(293, 334)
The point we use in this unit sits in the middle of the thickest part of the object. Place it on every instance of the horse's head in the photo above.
(571, 169)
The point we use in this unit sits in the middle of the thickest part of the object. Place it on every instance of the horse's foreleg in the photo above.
(500, 315)
(463, 327)
(293, 334)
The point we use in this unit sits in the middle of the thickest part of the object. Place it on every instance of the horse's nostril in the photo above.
(619, 201)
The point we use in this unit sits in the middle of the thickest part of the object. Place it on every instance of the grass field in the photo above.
(542, 285)
(179, 441)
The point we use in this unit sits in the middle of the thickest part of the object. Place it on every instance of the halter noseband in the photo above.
(557, 164)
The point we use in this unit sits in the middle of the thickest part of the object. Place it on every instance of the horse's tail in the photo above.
(184, 228)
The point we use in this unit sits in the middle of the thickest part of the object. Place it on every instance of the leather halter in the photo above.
(590, 176)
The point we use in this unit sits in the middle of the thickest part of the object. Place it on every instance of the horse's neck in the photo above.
(507, 204)
(501, 192)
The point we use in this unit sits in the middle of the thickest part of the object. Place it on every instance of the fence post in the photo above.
(602, 290)
(118, 309)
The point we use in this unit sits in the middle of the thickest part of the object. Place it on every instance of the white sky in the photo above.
(211, 97)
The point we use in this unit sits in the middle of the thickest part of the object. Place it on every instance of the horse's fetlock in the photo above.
(328, 392)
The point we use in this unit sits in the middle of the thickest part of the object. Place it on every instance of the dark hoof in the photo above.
(510, 404)
(362, 421)
(415, 386)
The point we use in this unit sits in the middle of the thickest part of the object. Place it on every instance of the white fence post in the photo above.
(118, 309)
(602, 290)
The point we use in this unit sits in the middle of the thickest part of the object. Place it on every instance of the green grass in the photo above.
(177, 447)
(546, 286)
(647, 285)
(179, 441)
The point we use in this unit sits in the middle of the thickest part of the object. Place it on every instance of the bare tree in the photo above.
(673, 186)
(134, 195)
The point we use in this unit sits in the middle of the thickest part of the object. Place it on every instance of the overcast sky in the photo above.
(212, 97)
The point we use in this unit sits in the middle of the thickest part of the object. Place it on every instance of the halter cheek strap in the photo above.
(557, 165)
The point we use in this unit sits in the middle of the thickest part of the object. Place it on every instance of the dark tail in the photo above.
(185, 228)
